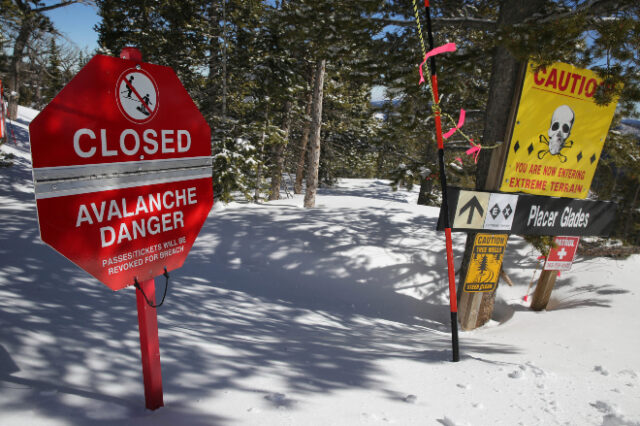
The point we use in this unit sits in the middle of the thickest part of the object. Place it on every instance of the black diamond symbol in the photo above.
(530, 149)
(593, 158)
(516, 147)
(495, 211)
(507, 211)
(579, 157)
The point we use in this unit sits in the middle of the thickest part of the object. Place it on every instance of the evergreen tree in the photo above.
(408, 146)
(349, 128)
(598, 34)
(54, 79)
(483, 266)
(334, 33)
(166, 32)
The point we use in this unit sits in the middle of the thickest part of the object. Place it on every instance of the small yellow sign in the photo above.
(558, 134)
(486, 261)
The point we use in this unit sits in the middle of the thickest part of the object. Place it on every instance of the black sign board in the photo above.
(531, 214)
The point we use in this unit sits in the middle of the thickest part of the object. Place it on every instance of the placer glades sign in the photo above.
(527, 214)
(558, 134)
(122, 170)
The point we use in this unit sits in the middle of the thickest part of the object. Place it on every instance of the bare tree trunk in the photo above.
(218, 129)
(15, 67)
(316, 126)
(224, 60)
(31, 15)
(632, 208)
(278, 155)
(426, 187)
(615, 181)
(297, 188)
(256, 196)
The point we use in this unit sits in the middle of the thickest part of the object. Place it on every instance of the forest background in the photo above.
(286, 85)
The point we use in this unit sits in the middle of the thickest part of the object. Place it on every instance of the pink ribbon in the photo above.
(460, 123)
(449, 47)
(475, 151)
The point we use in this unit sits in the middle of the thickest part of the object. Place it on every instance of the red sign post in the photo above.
(122, 173)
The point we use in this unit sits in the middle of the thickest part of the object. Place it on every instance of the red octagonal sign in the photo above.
(122, 170)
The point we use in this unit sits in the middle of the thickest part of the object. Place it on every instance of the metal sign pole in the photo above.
(149, 345)
(148, 318)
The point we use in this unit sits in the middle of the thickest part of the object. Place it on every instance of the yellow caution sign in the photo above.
(486, 261)
(558, 134)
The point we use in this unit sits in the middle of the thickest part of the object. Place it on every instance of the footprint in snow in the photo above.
(278, 399)
(518, 374)
(537, 371)
(411, 399)
(611, 415)
(628, 374)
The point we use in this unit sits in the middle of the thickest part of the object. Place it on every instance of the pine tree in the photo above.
(334, 33)
(166, 32)
(590, 33)
(54, 79)
(409, 146)
(483, 266)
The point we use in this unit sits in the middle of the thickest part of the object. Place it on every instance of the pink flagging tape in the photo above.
(474, 151)
(460, 124)
(449, 47)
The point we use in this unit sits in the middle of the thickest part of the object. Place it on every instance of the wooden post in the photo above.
(469, 308)
(470, 303)
(476, 308)
(542, 293)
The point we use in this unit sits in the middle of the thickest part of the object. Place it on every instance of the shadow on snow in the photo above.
(284, 291)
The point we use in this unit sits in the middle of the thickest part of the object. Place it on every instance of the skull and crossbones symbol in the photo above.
(559, 131)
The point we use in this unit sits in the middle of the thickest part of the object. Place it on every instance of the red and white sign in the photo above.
(122, 170)
(561, 257)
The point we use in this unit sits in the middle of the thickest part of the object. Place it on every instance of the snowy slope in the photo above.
(336, 315)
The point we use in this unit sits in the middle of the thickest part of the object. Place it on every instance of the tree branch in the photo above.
(439, 23)
(591, 9)
(54, 6)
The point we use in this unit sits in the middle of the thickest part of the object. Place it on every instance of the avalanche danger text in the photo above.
(146, 211)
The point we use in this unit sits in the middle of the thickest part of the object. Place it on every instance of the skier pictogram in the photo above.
(137, 96)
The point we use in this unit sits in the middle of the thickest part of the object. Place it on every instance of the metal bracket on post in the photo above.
(149, 345)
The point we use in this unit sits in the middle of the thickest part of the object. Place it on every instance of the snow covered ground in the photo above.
(336, 315)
